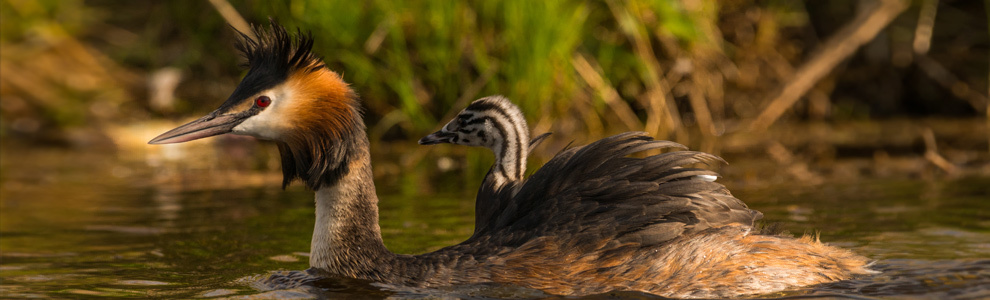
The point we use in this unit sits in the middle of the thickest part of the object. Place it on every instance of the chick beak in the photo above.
(436, 138)
(206, 126)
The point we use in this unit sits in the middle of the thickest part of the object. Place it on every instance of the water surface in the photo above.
(85, 223)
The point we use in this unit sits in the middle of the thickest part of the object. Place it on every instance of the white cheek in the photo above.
(261, 126)
(269, 123)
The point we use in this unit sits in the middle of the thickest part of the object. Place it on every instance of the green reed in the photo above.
(414, 62)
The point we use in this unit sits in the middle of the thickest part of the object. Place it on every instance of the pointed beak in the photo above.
(207, 126)
(436, 138)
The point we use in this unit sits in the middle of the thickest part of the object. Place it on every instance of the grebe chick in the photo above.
(495, 123)
(591, 220)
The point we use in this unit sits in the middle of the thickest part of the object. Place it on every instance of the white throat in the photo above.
(321, 247)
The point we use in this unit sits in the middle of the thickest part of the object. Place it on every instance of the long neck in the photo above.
(510, 155)
(347, 238)
(509, 141)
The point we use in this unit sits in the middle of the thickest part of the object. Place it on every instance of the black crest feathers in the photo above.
(271, 59)
(278, 52)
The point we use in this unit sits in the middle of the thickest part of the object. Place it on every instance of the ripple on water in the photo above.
(927, 242)
(142, 282)
(943, 279)
(217, 293)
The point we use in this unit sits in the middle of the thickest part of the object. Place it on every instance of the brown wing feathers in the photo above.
(644, 200)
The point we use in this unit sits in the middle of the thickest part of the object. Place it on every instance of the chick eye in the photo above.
(263, 101)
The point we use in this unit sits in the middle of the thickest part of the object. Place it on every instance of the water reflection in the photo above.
(72, 227)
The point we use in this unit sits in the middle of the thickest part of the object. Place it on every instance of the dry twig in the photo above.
(608, 93)
(230, 14)
(662, 118)
(932, 155)
(926, 21)
(837, 48)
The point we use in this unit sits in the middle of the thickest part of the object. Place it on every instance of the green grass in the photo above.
(688, 71)
(413, 60)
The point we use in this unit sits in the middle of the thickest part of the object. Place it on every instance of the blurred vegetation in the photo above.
(684, 70)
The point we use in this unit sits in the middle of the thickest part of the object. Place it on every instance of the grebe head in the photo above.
(487, 122)
(288, 96)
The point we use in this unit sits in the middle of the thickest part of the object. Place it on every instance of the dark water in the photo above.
(79, 224)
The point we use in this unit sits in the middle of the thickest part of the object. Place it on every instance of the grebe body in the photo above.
(591, 220)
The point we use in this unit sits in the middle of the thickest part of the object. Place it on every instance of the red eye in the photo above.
(263, 101)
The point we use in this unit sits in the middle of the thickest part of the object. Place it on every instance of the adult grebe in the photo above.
(591, 220)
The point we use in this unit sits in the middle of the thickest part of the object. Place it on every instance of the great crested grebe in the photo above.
(494, 123)
(591, 220)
